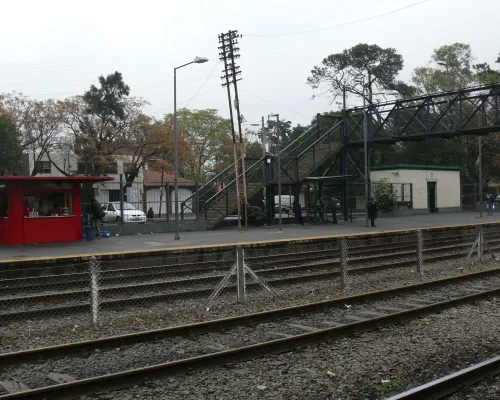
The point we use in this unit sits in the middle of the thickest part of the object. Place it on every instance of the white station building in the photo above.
(430, 188)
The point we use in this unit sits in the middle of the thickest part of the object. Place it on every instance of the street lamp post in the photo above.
(278, 151)
(365, 146)
(197, 60)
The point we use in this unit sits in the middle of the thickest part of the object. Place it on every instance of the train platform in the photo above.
(231, 235)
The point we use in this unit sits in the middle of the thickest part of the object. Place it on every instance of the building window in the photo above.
(43, 167)
(111, 168)
(114, 195)
(84, 167)
(128, 168)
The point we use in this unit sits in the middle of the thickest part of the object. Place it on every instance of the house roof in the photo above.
(416, 167)
(154, 178)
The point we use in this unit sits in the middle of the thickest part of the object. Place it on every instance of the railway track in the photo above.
(71, 276)
(270, 265)
(449, 384)
(15, 307)
(121, 361)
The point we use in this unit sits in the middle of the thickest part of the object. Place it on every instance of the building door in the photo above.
(431, 196)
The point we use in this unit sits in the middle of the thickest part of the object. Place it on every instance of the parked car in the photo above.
(130, 213)
(497, 199)
(286, 203)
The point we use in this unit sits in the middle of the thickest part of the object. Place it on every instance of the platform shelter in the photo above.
(39, 209)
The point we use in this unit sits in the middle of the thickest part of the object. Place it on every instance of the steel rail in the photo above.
(130, 377)
(215, 325)
(449, 384)
(114, 303)
(133, 275)
(190, 282)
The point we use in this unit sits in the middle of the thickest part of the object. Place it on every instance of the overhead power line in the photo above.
(262, 35)
(276, 104)
(203, 84)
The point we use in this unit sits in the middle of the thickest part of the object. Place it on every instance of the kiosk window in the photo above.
(4, 213)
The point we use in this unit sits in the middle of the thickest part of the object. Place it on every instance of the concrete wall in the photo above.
(447, 186)
(154, 227)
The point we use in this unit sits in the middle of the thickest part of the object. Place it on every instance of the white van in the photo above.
(286, 203)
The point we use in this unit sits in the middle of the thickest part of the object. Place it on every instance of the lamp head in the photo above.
(200, 60)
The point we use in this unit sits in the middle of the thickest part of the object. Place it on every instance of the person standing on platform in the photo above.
(335, 207)
(97, 214)
(490, 200)
(297, 208)
(320, 205)
(372, 210)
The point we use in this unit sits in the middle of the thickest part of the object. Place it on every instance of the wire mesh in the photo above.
(379, 261)
(38, 298)
(186, 280)
(294, 269)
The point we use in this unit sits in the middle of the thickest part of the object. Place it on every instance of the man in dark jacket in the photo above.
(320, 205)
(372, 210)
(96, 214)
(297, 209)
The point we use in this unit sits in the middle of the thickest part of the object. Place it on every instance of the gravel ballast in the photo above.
(487, 390)
(102, 362)
(370, 366)
(141, 316)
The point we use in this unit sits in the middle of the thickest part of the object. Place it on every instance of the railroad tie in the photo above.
(473, 290)
(413, 305)
(423, 301)
(216, 346)
(279, 334)
(355, 318)
(60, 378)
(438, 297)
(391, 310)
(12, 386)
(372, 313)
(332, 324)
(303, 327)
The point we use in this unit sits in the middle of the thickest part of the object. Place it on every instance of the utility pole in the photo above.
(223, 57)
(263, 133)
(365, 146)
(480, 167)
(232, 41)
(278, 152)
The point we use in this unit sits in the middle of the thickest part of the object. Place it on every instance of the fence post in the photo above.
(168, 203)
(480, 244)
(197, 199)
(121, 203)
(420, 252)
(240, 274)
(95, 271)
(344, 255)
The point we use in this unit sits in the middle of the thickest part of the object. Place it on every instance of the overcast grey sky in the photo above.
(57, 49)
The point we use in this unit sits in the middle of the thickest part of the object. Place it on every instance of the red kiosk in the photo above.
(39, 209)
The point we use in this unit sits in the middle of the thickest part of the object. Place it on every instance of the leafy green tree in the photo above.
(487, 75)
(385, 194)
(450, 69)
(10, 148)
(100, 118)
(206, 133)
(378, 66)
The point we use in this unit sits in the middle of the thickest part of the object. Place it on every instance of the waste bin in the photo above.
(90, 232)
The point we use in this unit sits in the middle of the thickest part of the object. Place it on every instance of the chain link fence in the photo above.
(102, 297)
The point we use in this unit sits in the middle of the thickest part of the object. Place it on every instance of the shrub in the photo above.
(385, 194)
